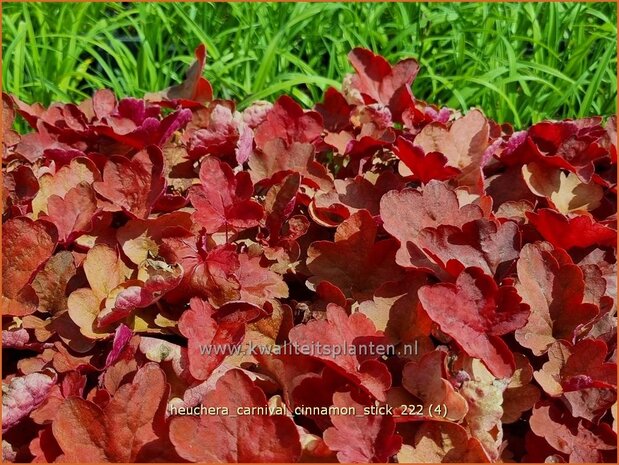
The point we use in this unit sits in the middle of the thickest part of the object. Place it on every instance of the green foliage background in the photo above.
(520, 62)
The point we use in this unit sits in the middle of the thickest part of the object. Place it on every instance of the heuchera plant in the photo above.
(138, 233)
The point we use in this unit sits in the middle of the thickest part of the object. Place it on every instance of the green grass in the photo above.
(521, 63)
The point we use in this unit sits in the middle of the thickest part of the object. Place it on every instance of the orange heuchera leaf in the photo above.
(354, 262)
(118, 432)
(133, 185)
(345, 334)
(582, 442)
(223, 200)
(140, 239)
(441, 442)
(105, 271)
(565, 191)
(554, 289)
(475, 312)
(463, 144)
(298, 157)
(235, 438)
(80, 170)
(580, 366)
(484, 394)
(351, 195)
(395, 310)
(50, 284)
(26, 245)
(72, 214)
(377, 443)
(425, 379)
(258, 283)
(155, 278)
(521, 394)
(213, 333)
(582, 376)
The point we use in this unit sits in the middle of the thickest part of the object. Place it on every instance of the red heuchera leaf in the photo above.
(287, 121)
(276, 158)
(121, 338)
(121, 430)
(343, 331)
(223, 133)
(214, 331)
(553, 287)
(72, 214)
(223, 200)
(568, 232)
(483, 243)
(279, 204)
(352, 195)
(377, 81)
(573, 145)
(235, 438)
(19, 187)
(354, 262)
(26, 245)
(335, 111)
(475, 312)
(420, 166)
(407, 212)
(194, 88)
(137, 130)
(377, 443)
(133, 185)
(23, 394)
(289, 370)
(576, 367)
(208, 270)
(43, 144)
(571, 436)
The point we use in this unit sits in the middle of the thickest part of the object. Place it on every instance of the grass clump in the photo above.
(519, 62)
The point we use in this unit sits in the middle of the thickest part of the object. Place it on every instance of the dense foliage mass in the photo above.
(139, 234)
